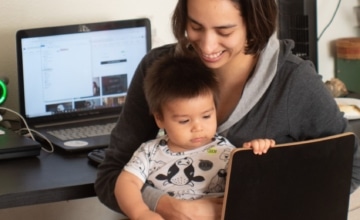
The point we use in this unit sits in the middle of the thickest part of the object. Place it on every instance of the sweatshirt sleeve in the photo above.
(135, 126)
(314, 113)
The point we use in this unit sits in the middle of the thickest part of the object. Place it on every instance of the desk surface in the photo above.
(53, 177)
(45, 178)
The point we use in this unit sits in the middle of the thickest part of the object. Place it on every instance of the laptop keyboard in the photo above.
(82, 132)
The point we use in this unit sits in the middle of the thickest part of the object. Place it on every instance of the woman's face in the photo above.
(216, 30)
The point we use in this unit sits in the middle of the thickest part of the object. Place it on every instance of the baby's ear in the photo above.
(159, 120)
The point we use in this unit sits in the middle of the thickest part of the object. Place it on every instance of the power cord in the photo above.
(40, 135)
(28, 130)
(331, 20)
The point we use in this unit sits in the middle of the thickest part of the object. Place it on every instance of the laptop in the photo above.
(302, 180)
(13, 145)
(78, 76)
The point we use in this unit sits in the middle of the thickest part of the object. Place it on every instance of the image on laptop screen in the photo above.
(76, 72)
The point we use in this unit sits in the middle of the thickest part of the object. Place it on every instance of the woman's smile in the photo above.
(212, 57)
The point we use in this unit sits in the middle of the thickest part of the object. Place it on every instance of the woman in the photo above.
(265, 92)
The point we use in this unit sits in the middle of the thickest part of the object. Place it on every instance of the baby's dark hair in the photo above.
(172, 77)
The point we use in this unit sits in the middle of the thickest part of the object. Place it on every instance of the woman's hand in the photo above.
(202, 209)
(150, 215)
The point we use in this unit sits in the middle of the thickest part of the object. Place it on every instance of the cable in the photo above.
(42, 136)
(29, 130)
(331, 20)
(22, 118)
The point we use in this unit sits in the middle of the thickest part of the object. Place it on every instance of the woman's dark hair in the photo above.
(171, 77)
(260, 17)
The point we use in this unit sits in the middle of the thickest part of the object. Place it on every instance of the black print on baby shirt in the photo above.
(181, 173)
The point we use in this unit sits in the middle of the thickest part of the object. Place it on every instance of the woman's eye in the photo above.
(224, 34)
(196, 28)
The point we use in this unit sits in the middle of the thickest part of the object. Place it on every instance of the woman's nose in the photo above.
(208, 43)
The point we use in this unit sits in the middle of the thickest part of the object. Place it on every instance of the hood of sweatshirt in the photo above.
(264, 72)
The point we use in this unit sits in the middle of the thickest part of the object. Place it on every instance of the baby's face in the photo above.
(189, 123)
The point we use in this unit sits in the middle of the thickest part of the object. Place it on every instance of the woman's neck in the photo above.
(238, 70)
(232, 79)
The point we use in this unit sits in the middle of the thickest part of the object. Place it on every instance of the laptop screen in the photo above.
(78, 70)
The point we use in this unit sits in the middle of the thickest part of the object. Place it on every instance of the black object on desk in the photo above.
(49, 177)
(97, 156)
(13, 145)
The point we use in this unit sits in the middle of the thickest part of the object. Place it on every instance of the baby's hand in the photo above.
(260, 146)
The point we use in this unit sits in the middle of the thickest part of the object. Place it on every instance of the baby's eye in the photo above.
(207, 116)
(183, 121)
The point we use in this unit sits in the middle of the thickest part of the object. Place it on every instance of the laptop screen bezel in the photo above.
(71, 29)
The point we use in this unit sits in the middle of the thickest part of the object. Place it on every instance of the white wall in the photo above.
(19, 14)
(344, 25)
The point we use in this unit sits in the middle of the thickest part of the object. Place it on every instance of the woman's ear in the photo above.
(159, 120)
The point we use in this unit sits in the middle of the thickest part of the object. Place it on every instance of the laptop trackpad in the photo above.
(76, 143)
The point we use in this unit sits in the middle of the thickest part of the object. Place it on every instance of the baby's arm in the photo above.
(128, 196)
(260, 146)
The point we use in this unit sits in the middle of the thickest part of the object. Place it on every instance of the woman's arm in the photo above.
(128, 195)
(201, 209)
(135, 126)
